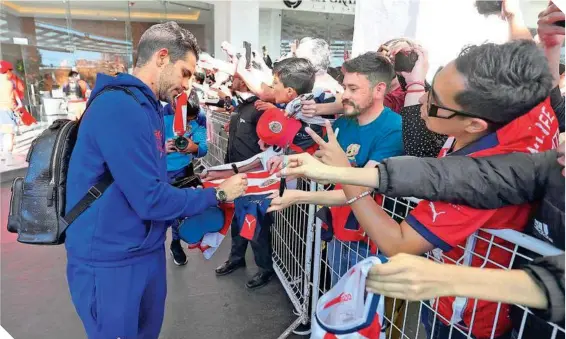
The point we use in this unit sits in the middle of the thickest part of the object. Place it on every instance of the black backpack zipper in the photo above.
(55, 162)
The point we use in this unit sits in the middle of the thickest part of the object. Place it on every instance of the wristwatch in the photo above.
(221, 196)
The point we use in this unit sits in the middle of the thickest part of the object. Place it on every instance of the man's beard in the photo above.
(165, 85)
(358, 110)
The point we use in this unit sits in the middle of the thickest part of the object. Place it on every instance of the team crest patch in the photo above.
(268, 183)
(159, 141)
(275, 127)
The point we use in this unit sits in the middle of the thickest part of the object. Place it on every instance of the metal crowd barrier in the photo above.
(307, 266)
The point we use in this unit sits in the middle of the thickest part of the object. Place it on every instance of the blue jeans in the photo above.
(344, 255)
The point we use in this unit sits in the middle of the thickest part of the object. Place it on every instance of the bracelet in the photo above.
(362, 195)
(415, 91)
(415, 83)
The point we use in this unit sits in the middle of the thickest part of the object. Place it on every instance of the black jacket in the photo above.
(493, 182)
(242, 135)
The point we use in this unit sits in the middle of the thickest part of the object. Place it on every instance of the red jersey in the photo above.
(451, 228)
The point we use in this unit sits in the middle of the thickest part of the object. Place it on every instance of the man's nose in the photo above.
(187, 84)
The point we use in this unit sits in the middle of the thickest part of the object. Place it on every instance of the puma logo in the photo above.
(434, 213)
(343, 297)
(250, 222)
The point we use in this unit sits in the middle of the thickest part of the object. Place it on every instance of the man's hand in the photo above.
(305, 165)
(510, 9)
(308, 108)
(408, 277)
(263, 106)
(418, 74)
(274, 163)
(550, 34)
(215, 175)
(290, 197)
(234, 186)
(330, 153)
(170, 146)
(190, 148)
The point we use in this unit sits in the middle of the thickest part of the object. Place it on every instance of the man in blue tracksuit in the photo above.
(115, 249)
(179, 160)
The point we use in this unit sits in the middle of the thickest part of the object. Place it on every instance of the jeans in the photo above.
(262, 247)
(344, 255)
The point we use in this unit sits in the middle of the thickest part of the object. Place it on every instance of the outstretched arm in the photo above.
(415, 278)
(487, 183)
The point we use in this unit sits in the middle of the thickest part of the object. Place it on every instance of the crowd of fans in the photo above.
(482, 104)
(492, 117)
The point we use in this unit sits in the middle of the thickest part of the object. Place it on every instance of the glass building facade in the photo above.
(46, 40)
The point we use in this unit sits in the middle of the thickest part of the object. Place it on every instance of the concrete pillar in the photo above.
(270, 31)
(236, 22)
(443, 27)
(209, 37)
(444, 39)
(377, 21)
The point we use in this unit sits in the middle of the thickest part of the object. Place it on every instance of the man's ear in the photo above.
(476, 126)
(291, 93)
(380, 90)
(163, 57)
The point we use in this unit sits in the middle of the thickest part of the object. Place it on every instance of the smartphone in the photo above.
(405, 62)
(248, 48)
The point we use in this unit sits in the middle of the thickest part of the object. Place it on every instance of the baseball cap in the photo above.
(193, 229)
(5, 66)
(274, 128)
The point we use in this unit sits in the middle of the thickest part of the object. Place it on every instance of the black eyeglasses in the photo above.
(432, 109)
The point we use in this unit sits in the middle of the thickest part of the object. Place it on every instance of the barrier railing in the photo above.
(307, 267)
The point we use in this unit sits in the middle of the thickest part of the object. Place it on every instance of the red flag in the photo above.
(180, 119)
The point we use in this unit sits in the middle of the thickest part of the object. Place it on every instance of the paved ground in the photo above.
(35, 302)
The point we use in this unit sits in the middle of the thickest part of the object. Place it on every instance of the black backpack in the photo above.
(37, 205)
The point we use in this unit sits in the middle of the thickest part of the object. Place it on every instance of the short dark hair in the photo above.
(199, 77)
(334, 72)
(296, 73)
(503, 81)
(193, 104)
(73, 73)
(374, 66)
(178, 41)
(489, 7)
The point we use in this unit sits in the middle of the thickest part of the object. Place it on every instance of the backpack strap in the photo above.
(106, 180)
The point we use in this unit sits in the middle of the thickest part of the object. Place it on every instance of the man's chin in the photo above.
(351, 113)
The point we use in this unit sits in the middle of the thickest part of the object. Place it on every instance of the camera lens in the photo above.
(181, 143)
